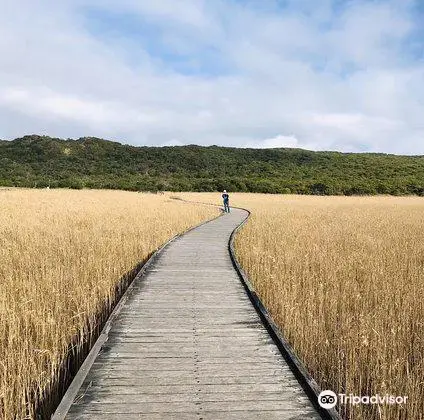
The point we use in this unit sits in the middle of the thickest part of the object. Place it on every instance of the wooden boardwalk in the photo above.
(188, 344)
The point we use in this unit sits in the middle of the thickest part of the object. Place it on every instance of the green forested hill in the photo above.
(35, 161)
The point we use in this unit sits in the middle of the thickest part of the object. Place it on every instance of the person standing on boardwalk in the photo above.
(226, 199)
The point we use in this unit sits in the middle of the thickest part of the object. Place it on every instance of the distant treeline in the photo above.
(39, 161)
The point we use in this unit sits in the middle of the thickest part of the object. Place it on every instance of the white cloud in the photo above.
(173, 142)
(320, 77)
(275, 142)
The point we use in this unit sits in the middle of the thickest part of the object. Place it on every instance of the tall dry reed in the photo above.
(61, 256)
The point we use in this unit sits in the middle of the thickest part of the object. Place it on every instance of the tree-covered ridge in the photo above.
(39, 161)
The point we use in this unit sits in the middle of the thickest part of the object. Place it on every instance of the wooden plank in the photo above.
(110, 397)
(202, 380)
(185, 374)
(142, 389)
(215, 364)
(179, 338)
(289, 404)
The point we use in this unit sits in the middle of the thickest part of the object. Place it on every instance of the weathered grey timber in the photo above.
(188, 344)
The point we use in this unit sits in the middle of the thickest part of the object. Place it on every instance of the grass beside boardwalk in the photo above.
(62, 254)
(343, 278)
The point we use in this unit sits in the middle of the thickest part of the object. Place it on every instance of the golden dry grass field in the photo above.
(62, 254)
(343, 277)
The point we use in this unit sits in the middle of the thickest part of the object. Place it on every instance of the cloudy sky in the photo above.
(317, 74)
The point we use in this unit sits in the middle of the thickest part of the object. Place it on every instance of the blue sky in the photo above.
(321, 75)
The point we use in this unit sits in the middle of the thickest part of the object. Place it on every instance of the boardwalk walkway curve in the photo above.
(186, 343)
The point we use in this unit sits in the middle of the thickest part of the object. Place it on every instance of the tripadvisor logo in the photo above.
(328, 399)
